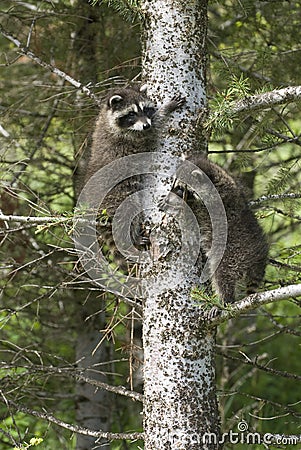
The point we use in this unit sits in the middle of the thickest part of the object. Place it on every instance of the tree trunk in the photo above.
(93, 406)
(180, 399)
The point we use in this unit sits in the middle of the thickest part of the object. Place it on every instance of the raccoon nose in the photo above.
(146, 126)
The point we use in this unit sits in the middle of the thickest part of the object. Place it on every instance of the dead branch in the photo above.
(264, 367)
(73, 428)
(25, 51)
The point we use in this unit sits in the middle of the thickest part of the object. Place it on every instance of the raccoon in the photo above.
(246, 251)
(128, 123)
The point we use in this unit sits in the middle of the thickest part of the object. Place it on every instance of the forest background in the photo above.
(46, 309)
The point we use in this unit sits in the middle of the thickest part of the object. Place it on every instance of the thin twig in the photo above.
(25, 51)
(266, 198)
(74, 428)
(120, 390)
(265, 368)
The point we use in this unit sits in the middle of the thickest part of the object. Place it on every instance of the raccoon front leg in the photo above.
(176, 102)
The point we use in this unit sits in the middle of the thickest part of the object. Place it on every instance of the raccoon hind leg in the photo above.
(224, 285)
(254, 278)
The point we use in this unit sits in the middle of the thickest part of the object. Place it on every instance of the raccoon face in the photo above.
(130, 113)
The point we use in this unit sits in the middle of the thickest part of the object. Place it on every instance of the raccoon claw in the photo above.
(178, 101)
(212, 313)
(162, 205)
(142, 240)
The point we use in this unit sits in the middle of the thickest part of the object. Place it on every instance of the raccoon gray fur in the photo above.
(128, 123)
(246, 252)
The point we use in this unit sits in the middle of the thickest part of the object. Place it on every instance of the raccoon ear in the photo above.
(114, 99)
(143, 88)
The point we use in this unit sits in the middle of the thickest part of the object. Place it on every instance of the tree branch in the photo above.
(282, 328)
(115, 389)
(266, 198)
(284, 138)
(40, 220)
(255, 300)
(73, 428)
(9, 436)
(25, 51)
(254, 363)
(33, 219)
(67, 371)
(267, 99)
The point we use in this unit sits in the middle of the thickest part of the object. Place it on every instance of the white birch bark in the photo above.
(180, 402)
(267, 100)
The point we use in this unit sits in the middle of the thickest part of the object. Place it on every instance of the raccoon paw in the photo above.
(212, 313)
(178, 101)
(142, 240)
